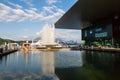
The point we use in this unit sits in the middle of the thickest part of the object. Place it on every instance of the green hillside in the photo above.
(2, 41)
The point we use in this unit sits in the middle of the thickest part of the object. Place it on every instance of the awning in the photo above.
(86, 12)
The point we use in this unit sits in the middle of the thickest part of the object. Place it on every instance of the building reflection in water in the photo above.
(106, 62)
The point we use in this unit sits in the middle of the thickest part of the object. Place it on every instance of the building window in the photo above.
(98, 29)
(85, 33)
(91, 32)
(104, 34)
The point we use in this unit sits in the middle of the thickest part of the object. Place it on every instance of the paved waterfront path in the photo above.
(103, 49)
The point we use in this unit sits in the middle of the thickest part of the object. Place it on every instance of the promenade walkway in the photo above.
(103, 49)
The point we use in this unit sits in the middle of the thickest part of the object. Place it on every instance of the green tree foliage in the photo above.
(2, 41)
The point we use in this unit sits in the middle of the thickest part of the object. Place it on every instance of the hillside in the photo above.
(2, 41)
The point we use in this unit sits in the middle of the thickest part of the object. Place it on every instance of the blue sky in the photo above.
(23, 19)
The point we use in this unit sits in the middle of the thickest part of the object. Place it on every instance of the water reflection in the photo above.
(48, 63)
(37, 65)
(48, 66)
(109, 63)
(101, 59)
(32, 66)
(25, 51)
(96, 66)
(68, 59)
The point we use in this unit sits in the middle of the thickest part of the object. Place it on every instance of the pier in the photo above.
(6, 52)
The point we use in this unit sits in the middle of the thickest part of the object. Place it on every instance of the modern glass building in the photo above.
(105, 33)
(99, 21)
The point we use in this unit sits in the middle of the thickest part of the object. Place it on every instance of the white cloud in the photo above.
(34, 9)
(25, 36)
(63, 34)
(4, 7)
(28, 2)
(51, 1)
(48, 9)
(37, 33)
(49, 13)
(15, 5)
(69, 35)
(25, 30)
(66, 35)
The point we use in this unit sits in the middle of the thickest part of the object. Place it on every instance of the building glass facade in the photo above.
(104, 34)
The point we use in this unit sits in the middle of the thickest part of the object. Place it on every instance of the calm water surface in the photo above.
(60, 65)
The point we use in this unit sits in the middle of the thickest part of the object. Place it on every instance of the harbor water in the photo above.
(60, 65)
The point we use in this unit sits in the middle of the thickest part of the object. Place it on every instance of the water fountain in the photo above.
(48, 35)
(48, 38)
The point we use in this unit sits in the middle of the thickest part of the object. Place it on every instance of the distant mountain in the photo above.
(58, 40)
(2, 41)
(37, 39)
(67, 42)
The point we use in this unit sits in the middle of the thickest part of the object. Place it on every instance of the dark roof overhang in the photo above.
(86, 12)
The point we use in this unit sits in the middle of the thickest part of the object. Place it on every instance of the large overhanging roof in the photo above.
(86, 12)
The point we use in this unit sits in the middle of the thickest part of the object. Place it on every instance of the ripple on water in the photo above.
(68, 59)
